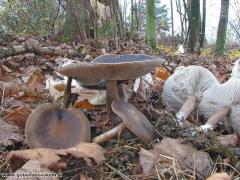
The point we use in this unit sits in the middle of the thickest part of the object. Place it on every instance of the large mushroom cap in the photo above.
(112, 67)
(188, 81)
(219, 96)
(134, 120)
(51, 127)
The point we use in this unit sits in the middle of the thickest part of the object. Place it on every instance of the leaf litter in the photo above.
(30, 79)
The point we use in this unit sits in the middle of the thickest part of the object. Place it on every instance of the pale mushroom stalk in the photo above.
(215, 118)
(110, 134)
(183, 90)
(133, 120)
(186, 109)
(112, 94)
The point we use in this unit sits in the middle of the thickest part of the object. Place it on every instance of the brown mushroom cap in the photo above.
(52, 127)
(112, 67)
(134, 120)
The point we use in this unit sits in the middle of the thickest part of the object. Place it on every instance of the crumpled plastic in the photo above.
(187, 81)
(219, 96)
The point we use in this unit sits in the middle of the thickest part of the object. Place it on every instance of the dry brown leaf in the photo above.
(8, 89)
(53, 159)
(219, 176)
(33, 167)
(18, 116)
(9, 135)
(162, 73)
(84, 105)
(185, 156)
(28, 95)
(158, 85)
(35, 81)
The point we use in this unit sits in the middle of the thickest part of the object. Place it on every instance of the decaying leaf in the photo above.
(9, 135)
(32, 167)
(162, 73)
(27, 95)
(84, 105)
(18, 116)
(219, 176)
(185, 157)
(35, 81)
(53, 159)
(8, 89)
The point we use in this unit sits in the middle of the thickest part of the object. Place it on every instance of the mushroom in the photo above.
(132, 119)
(223, 98)
(52, 127)
(184, 89)
(112, 68)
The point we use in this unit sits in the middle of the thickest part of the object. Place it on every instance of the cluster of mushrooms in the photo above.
(194, 89)
(50, 126)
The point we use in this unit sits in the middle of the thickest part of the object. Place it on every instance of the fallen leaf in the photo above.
(18, 116)
(56, 159)
(9, 135)
(219, 176)
(185, 156)
(8, 89)
(48, 158)
(158, 85)
(98, 100)
(162, 73)
(55, 88)
(230, 139)
(84, 105)
(32, 168)
(35, 81)
(27, 95)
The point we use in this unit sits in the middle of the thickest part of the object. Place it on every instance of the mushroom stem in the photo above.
(186, 109)
(122, 93)
(215, 118)
(109, 134)
(112, 94)
(67, 93)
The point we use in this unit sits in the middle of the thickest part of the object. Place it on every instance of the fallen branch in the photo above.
(36, 49)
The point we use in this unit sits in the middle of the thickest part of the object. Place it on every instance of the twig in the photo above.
(67, 93)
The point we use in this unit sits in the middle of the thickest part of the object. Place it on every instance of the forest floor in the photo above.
(25, 83)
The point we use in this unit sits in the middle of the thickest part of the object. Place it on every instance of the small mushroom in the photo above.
(112, 68)
(184, 89)
(132, 119)
(52, 127)
(219, 97)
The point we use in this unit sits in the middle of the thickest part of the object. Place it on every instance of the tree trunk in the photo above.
(118, 17)
(194, 25)
(222, 28)
(172, 18)
(179, 9)
(151, 24)
(80, 19)
(203, 24)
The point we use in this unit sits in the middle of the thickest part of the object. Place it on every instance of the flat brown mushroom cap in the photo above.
(134, 120)
(112, 67)
(51, 127)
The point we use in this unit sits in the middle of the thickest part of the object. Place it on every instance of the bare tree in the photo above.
(172, 18)
(194, 25)
(222, 28)
(203, 27)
